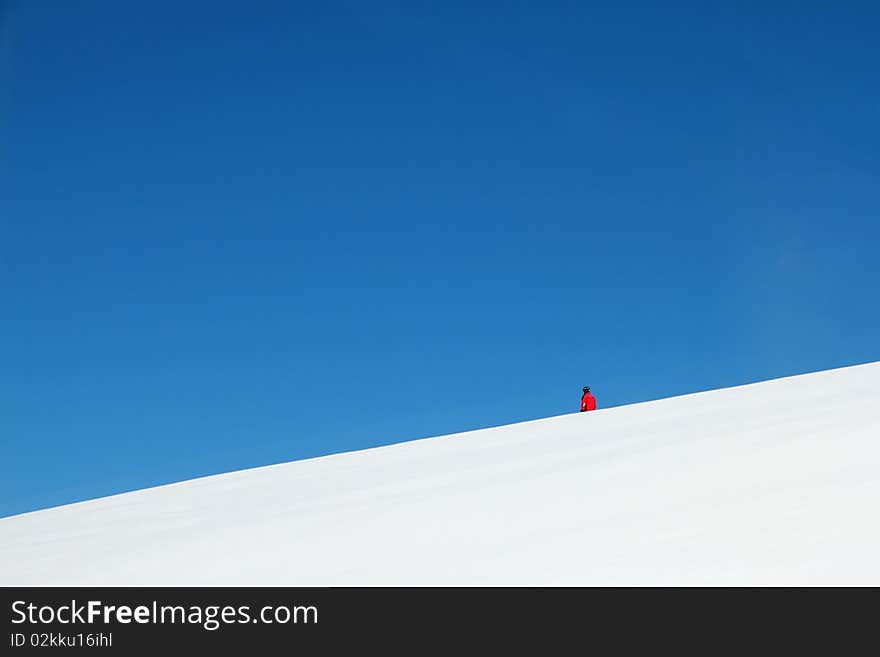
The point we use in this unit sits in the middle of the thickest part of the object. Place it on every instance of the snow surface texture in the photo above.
(775, 483)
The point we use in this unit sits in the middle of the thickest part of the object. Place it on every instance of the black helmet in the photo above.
(586, 388)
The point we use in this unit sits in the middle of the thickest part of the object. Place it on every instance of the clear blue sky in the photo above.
(238, 233)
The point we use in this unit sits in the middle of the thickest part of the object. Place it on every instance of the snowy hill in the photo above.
(771, 483)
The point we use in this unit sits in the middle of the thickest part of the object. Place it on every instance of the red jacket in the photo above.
(588, 402)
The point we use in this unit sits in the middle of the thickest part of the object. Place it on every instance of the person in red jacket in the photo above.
(588, 402)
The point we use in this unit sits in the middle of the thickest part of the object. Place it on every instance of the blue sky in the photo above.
(236, 234)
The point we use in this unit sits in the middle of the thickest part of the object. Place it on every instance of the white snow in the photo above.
(775, 483)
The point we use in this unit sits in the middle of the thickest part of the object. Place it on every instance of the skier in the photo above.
(588, 402)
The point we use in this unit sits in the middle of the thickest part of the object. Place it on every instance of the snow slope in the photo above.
(775, 483)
